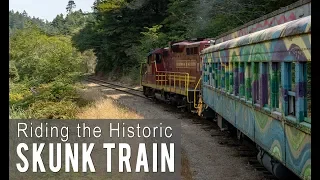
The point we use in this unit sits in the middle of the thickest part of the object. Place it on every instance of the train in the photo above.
(255, 79)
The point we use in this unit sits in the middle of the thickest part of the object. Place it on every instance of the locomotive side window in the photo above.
(195, 50)
(192, 50)
(188, 51)
(248, 81)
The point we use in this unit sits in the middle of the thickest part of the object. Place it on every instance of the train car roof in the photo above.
(295, 27)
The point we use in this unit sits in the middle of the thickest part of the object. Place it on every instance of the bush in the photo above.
(17, 113)
(53, 110)
(50, 65)
(18, 92)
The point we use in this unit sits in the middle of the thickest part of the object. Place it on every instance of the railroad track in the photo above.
(132, 91)
(245, 149)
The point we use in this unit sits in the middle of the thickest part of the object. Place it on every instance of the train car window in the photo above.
(255, 83)
(289, 86)
(303, 94)
(265, 84)
(191, 50)
(291, 92)
(241, 80)
(226, 76)
(230, 78)
(222, 73)
(216, 77)
(219, 75)
(207, 70)
(275, 86)
(165, 53)
(158, 58)
(211, 75)
(236, 78)
(248, 78)
(307, 75)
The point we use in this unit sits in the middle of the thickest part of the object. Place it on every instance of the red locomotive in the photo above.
(172, 74)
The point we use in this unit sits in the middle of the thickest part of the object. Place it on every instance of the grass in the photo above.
(103, 108)
(106, 109)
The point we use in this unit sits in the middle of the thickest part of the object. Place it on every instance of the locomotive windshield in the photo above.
(158, 58)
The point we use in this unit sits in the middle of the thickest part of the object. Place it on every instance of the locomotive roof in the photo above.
(157, 50)
(299, 26)
(188, 43)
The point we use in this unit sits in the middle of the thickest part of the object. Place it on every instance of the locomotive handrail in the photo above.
(176, 77)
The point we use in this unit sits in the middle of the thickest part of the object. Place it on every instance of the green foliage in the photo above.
(53, 110)
(54, 100)
(116, 32)
(71, 5)
(49, 57)
(43, 69)
(19, 20)
(43, 58)
(122, 32)
(13, 72)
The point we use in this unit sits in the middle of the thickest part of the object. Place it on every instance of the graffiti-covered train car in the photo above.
(260, 84)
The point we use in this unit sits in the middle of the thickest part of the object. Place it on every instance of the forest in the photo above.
(46, 59)
(124, 31)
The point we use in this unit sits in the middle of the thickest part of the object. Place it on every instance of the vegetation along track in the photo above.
(245, 147)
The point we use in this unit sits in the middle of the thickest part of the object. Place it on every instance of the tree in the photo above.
(24, 14)
(71, 5)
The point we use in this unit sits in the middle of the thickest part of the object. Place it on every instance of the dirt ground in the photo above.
(203, 157)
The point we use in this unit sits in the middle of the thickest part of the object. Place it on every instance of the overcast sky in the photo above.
(47, 9)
